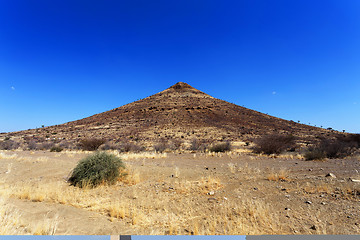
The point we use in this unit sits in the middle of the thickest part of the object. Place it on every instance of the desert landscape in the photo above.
(193, 164)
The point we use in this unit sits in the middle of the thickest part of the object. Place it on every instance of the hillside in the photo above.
(179, 112)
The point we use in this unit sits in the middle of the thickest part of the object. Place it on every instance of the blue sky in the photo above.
(65, 60)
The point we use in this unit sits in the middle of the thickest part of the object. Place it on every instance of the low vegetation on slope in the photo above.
(340, 147)
(274, 144)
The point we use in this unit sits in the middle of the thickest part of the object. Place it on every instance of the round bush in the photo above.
(98, 168)
(314, 154)
(220, 147)
(56, 149)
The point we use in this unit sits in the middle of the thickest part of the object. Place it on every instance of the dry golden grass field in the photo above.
(181, 193)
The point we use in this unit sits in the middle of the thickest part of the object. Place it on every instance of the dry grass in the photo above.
(280, 175)
(203, 186)
(232, 167)
(8, 155)
(9, 219)
(11, 222)
(143, 155)
(346, 190)
(14, 156)
(159, 210)
(46, 227)
(131, 176)
(195, 201)
(291, 156)
(249, 172)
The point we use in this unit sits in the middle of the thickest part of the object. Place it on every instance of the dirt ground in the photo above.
(182, 193)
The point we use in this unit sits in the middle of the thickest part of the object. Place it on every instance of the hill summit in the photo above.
(179, 112)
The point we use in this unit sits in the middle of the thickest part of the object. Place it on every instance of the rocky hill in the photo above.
(179, 112)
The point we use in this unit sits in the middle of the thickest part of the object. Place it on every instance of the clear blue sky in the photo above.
(64, 60)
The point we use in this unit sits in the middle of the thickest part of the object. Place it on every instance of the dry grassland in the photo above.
(232, 193)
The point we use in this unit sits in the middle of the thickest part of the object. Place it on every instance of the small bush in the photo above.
(109, 146)
(32, 145)
(91, 144)
(351, 140)
(96, 169)
(274, 144)
(160, 147)
(56, 149)
(220, 147)
(175, 144)
(337, 148)
(9, 145)
(197, 145)
(45, 145)
(130, 147)
(67, 145)
(314, 154)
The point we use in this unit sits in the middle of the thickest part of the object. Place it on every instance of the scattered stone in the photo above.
(287, 209)
(283, 189)
(254, 198)
(255, 188)
(321, 169)
(212, 199)
(206, 168)
(322, 195)
(225, 198)
(186, 230)
(323, 203)
(172, 175)
(296, 163)
(354, 180)
(348, 216)
(313, 227)
(211, 193)
(310, 169)
(288, 196)
(330, 175)
(308, 202)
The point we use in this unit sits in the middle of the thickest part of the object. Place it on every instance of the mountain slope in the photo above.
(180, 111)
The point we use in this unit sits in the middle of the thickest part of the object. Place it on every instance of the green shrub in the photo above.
(98, 168)
(220, 147)
(56, 149)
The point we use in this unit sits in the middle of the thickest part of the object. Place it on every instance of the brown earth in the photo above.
(233, 193)
(179, 112)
